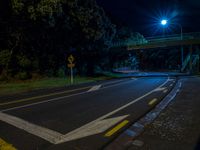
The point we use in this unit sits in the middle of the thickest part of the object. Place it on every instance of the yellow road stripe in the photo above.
(42, 96)
(153, 101)
(5, 146)
(116, 128)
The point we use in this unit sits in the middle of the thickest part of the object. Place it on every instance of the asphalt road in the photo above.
(86, 117)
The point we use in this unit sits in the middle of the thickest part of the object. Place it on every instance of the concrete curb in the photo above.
(125, 140)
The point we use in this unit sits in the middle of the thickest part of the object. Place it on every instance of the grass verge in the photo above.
(23, 86)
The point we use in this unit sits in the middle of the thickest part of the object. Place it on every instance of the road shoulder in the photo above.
(177, 127)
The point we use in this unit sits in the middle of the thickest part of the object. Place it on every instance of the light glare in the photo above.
(164, 22)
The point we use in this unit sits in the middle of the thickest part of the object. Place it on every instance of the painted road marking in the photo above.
(134, 78)
(116, 128)
(59, 98)
(153, 101)
(138, 143)
(52, 94)
(112, 82)
(6, 146)
(92, 128)
(160, 89)
(47, 134)
(172, 80)
(165, 91)
(42, 96)
(86, 130)
(180, 84)
(95, 88)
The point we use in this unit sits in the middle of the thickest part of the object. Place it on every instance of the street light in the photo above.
(164, 22)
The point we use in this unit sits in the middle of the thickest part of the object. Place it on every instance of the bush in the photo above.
(3, 77)
(22, 75)
(61, 72)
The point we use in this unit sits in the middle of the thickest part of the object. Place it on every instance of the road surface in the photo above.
(86, 117)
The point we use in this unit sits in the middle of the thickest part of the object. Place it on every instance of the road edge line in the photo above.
(124, 140)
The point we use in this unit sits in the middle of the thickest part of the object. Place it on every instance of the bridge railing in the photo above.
(156, 39)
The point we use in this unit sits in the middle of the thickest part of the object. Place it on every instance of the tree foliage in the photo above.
(38, 35)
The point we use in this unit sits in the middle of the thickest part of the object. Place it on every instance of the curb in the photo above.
(125, 140)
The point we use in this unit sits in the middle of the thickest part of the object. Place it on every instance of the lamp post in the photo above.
(181, 45)
(164, 23)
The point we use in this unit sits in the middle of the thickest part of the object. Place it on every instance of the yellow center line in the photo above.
(5, 146)
(153, 101)
(116, 128)
(42, 96)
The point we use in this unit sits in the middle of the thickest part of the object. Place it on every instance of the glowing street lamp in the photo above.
(163, 22)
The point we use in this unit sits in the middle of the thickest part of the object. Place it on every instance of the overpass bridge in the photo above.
(186, 39)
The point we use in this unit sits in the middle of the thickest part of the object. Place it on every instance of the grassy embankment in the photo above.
(13, 87)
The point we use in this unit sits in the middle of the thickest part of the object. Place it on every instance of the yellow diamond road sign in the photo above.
(70, 59)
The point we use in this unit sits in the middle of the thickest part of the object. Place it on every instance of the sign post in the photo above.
(71, 65)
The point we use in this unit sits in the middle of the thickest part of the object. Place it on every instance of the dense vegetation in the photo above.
(37, 36)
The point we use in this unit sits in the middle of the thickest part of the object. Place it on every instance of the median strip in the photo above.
(116, 128)
(6, 146)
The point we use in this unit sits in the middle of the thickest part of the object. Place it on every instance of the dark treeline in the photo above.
(36, 37)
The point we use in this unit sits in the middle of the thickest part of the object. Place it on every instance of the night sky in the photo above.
(144, 15)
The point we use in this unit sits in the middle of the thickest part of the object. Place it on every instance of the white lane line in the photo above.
(173, 80)
(180, 84)
(47, 134)
(97, 126)
(112, 82)
(60, 98)
(95, 88)
(134, 79)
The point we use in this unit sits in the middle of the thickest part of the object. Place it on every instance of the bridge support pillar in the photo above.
(198, 53)
(182, 56)
(190, 59)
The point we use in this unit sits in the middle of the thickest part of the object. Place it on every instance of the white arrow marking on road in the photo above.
(94, 88)
(165, 91)
(92, 128)
(160, 89)
(47, 134)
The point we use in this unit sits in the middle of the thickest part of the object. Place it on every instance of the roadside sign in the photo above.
(71, 65)
(71, 59)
